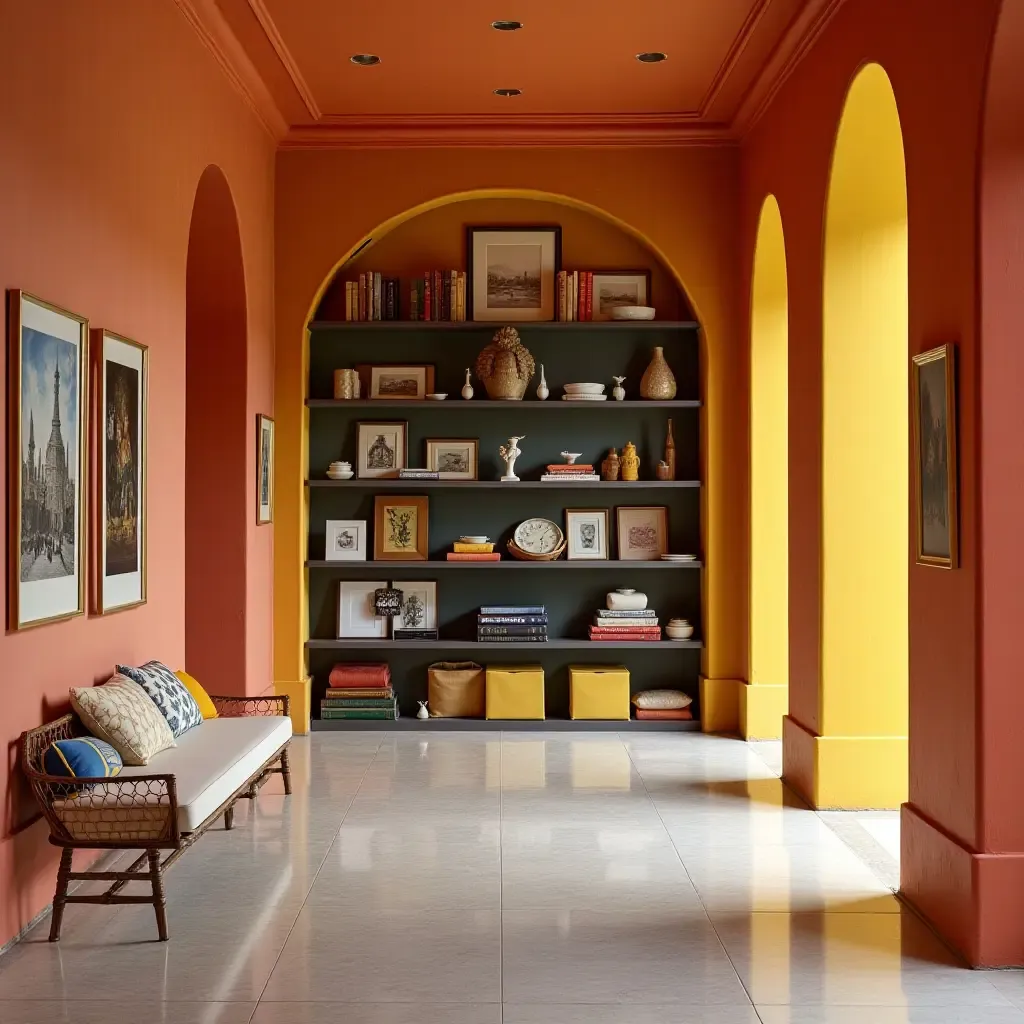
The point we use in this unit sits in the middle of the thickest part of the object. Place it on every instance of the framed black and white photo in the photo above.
(419, 607)
(643, 532)
(121, 380)
(453, 458)
(586, 532)
(512, 272)
(346, 540)
(47, 359)
(357, 615)
(388, 383)
(383, 450)
(264, 470)
(620, 288)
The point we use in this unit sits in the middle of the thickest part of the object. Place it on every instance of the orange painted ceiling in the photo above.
(574, 61)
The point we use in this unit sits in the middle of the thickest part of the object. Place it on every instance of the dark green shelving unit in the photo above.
(570, 590)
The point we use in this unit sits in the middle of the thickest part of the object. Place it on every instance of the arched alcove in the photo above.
(865, 422)
(764, 702)
(217, 440)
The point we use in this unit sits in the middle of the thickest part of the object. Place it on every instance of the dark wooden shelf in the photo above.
(370, 565)
(476, 325)
(583, 485)
(534, 405)
(497, 725)
(356, 644)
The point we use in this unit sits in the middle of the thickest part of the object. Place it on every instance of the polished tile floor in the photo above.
(443, 878)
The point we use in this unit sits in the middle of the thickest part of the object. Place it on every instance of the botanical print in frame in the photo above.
(453, 458)
(586, 532)
(643, 532)
(396, 382)
(512, 272)
(400, 528)
(382, 450)
(121, 382)
(357, 615)
(934, 389)
(47, 395)
(264, 470)
(346, 540)
(620, 288)
(419, 606)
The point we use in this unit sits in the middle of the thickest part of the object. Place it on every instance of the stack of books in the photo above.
(512, 624)
(575, 292)
(360, 691)
(464, 551)
(438, 295)
(629, 626)
(564, 472)
(373, 297)
(418, 474)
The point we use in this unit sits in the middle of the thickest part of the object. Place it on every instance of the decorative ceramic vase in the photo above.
(663, 472)
(357, 384)
(618, 392)
(630, 462)
(626, 600)
(679, 629)
(610, 466)
(505, 366)
(542, 388)
(658, 383)
(423, 713)
(467, 388)
(670, 453)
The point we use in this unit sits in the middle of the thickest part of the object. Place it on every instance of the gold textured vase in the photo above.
(658, 383)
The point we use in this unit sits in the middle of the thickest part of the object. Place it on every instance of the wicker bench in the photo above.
(163, 806)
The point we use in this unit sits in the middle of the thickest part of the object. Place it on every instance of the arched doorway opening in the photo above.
(862, 749)
(765, 700)
(216, 439)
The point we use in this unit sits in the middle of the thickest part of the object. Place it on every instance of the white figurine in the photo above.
(423, 712)
(570, 457)
(542, 388)
(467, 388)
(510, 453)
(618, 392)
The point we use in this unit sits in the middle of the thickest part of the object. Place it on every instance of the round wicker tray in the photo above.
(525, 556)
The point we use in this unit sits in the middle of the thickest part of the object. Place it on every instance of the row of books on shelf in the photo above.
(574, 291)
(437, 295)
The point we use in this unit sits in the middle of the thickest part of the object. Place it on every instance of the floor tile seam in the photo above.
(501, 876)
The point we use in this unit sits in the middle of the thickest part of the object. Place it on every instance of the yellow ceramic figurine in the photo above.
(630, 462)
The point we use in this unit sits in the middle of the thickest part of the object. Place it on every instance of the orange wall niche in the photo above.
(670, 210)
(113, 111)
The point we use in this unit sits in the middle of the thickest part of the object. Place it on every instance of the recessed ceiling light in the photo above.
(365, 60)
(508, 92)
(507, 26)
(652, 57)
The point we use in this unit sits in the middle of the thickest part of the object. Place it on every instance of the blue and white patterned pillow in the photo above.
(163, 687)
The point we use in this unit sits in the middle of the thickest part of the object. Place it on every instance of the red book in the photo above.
(474, 556)
(613, 630)
(581, 296)
(589, 313)
(437, 295)
(345, 676)
(580, 467)
(664, 715)
(627, 638)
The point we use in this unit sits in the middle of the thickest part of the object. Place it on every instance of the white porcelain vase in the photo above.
(542, 388)
(625, 600)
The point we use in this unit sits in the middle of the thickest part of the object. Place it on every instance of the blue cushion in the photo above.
(167, 692)
(82, 758)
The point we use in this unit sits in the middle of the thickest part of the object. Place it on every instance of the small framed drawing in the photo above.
(453, 458)
(396, 382)
(400, 528)
(512, 272)
(586, 532)
(47, 362)
(120, 382)
(346, 540)
(383, 449)
(620, 288)
(357, 616)
(264, 470)
(419, 608)
(643, 532)
(934, 390)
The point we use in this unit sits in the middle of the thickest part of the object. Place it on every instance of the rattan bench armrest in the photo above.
(242, 707)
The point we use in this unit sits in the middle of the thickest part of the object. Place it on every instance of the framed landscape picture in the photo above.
(400, 528)
(934, 391)
(264, 470)
(512, 272)
(643, 532)
(453, 458)
(47, 360)
(121, 383)
(383, 450)
(620, 288)
(396, 382)
(586, 532)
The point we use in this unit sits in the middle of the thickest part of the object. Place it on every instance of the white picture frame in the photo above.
(345, 540)
(642, 532)
(454, 458)
(425, 591)
(586, 533)
(383, 450)
(357, 618)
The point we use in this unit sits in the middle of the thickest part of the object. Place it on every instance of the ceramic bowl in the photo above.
(474, 540)
(679, 629)
(341, 474)
(438, 396)
(633, 313)
(584, 389)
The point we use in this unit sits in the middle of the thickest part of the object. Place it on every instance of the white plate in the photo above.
(437, 397)
(539, 536)
(584, 398)
(584, 389)
(679, 558)
(633, 313)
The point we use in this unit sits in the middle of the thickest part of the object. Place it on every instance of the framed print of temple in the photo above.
(47, 351)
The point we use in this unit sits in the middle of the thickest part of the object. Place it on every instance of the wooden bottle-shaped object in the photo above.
(670, 453)
(610, 466)
(630, 462)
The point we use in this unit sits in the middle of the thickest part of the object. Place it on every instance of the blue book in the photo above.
(503, 609)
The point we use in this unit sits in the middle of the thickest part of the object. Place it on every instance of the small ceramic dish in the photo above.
(340, 475)
(437, 396)
(679, 558)
(474, 540)
(584, 389)
(584, 398)
(633, 313)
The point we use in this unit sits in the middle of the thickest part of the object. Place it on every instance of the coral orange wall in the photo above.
(683, 202)
(112, 111)
(788, 154)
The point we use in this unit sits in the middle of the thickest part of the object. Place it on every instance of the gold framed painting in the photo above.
(264, 470)
(47, 360)
(934, 423)
(400, 528)
(120, 386)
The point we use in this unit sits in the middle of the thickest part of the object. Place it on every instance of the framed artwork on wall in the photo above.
(620, 288)
(383, 450)
(120, 379)
(264, 470)
(935, 428)
(512, 272)
(47, 360)
(643, 532)
(400, 528)
(453, 458)
(357, 616)
(586, 532)
(419, 608)
(388, 383)
(346, 540)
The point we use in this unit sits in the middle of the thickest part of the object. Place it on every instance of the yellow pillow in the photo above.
(202, 698)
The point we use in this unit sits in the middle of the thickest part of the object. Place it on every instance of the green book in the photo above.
(360, 702)
(385, 714)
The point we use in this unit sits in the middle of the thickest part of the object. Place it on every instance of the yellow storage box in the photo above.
(515, 691)
(599, 692)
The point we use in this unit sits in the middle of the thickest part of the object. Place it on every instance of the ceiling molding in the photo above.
(210, 26)
(284, 55)
(739, 44)
(803, 32)
(540, 130)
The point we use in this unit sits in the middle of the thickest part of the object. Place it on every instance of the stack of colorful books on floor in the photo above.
(512, 624)
(360, 690)
(473, 551)
(569, 472)
(627, 625)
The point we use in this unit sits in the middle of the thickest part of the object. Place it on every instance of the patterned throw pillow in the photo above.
(120, 713)
(661, 700)
(165, 689)
(83, 758)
